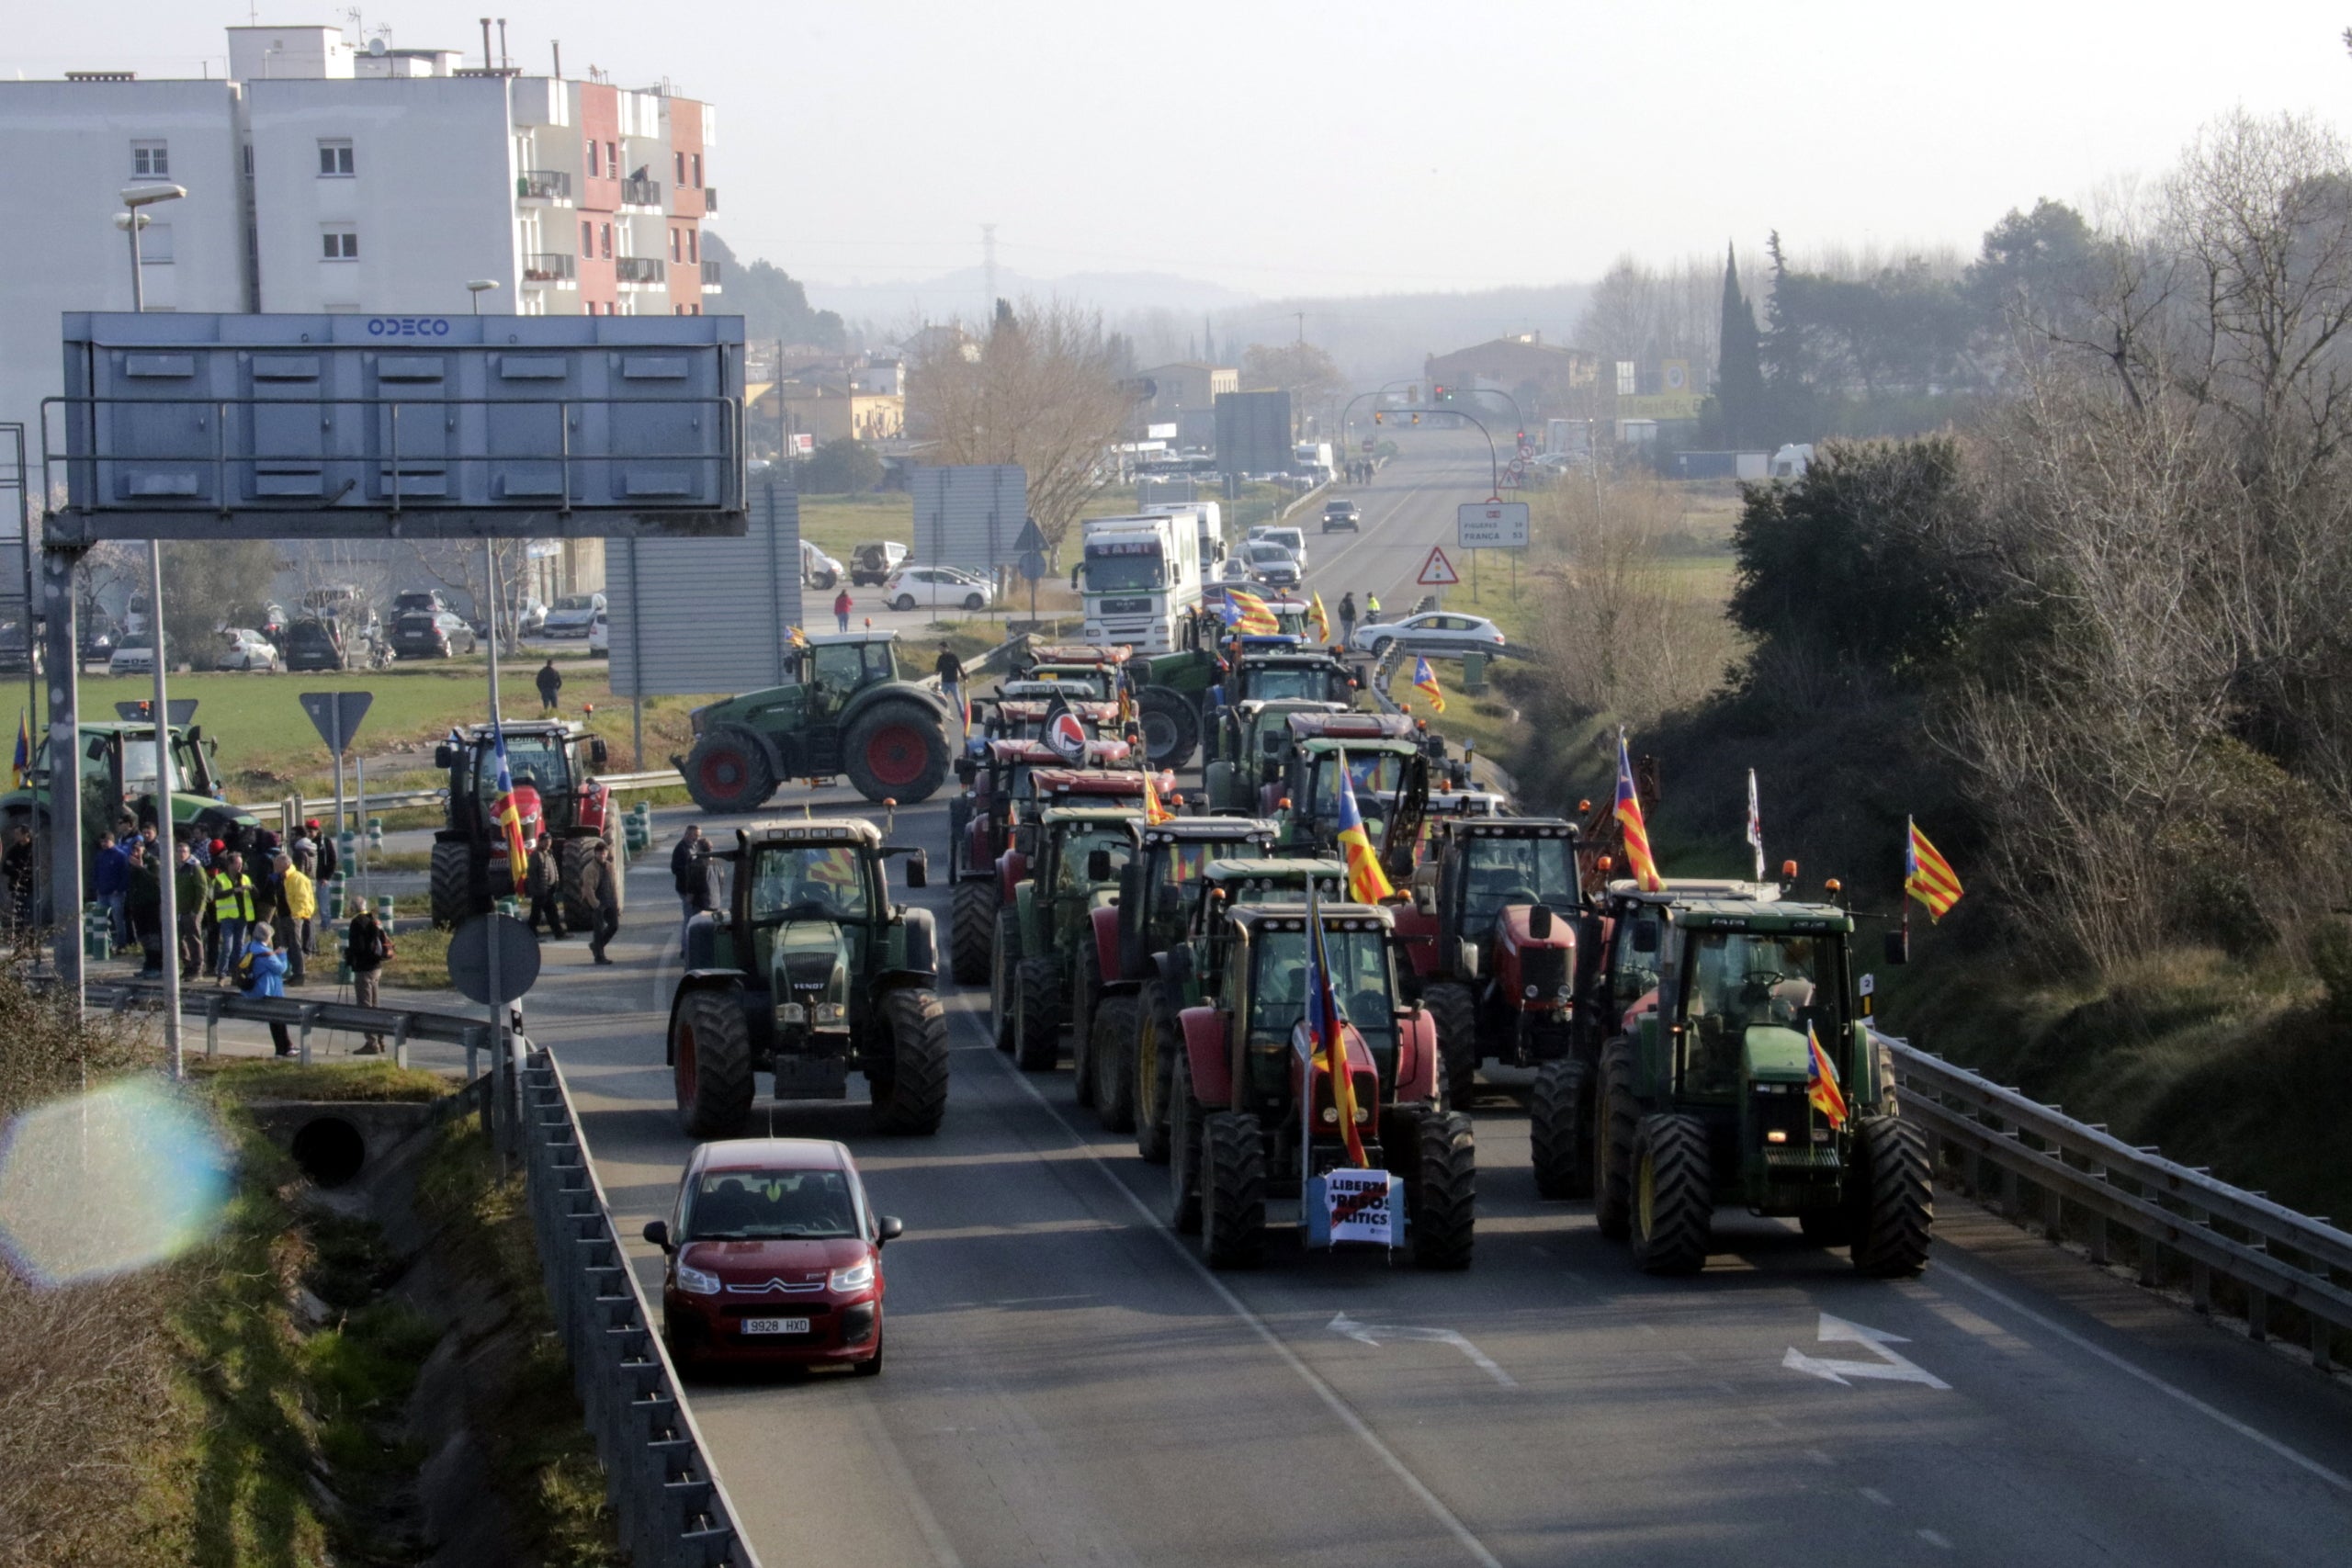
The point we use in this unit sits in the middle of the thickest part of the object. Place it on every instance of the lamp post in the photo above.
(167, 913)
(477, 287)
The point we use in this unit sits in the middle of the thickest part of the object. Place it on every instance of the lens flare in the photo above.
(106, 1182)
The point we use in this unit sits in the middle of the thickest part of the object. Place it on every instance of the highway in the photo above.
(1067, 1384)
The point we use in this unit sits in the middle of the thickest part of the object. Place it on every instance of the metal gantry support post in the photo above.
(64, 658)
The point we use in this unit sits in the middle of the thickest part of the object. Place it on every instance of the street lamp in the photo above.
(477, 287)
(134, 198)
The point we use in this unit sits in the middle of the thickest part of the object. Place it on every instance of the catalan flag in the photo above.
(1821, 1081)
(24, 762)
(1367, 883)
(1629, 817)
(1326, 1037)
(1425, 680)
(1252, 616)
(508, 814)
(1927, 875)
(1153, 811)
(1322, 620)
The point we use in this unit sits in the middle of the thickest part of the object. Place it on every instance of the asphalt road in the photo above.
(1067, 1384)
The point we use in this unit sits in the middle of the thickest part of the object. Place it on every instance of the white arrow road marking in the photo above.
(1890, 1366)
(1373, 1333)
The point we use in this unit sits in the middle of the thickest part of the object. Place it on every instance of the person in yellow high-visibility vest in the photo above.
(232, 910)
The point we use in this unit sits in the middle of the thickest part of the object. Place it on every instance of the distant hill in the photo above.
(887, 308)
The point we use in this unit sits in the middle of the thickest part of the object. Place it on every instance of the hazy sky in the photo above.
(1280, 147)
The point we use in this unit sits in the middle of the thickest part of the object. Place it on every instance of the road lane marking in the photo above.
(1946, 1271)
(1890, 1366)
(1372, 1333)
(1446, 1517)
(902, 1481)
(1937, 1542)
(1875, 1495)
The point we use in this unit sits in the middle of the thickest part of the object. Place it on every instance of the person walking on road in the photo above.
(545, 889)
(366, 950)
(293, 903)
(260, 971)
(600, 885)
(951, 678)
(841, 607)
(232, 910)
(551, 683)
(689, 864)
(1347, 616)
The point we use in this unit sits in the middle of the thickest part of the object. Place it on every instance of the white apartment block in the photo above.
(322, 177)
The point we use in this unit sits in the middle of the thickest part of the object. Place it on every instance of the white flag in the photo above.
(1755, 826)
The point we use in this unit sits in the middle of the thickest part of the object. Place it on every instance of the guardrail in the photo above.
(403, 800)
(667, 1500)
(2011, 1145)
(400, 1025)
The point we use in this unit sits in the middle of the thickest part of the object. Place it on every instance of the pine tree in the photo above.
(1740, 369)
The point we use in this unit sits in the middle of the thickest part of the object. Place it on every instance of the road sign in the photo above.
(1437, 571)
(518, 958)
(1032, 564)
(1370, 444)
(1031, 539)
(336, 715)
(1492, 525)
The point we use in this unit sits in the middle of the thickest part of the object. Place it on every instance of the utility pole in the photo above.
(1301, 327)
(988, 272)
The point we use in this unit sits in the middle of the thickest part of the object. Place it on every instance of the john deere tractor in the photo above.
(1245, 1094)
(1074, 858)
(811, 971)
(117, 767)
(1706, 1094)
(551, 763)
(846, 709)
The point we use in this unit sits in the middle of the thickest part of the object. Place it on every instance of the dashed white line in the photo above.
(1936, 1540)
(1875, 1495)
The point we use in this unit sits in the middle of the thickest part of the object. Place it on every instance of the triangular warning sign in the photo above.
(1437, 571)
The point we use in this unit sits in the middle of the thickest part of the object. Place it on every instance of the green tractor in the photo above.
(846, 708)
(1172, 980)
(809, 971)
(1042, 929)
(1706, 1093)
(1249, 748)
(118, 773)
(1387, 764)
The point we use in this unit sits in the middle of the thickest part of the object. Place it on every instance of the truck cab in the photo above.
(1139, 578)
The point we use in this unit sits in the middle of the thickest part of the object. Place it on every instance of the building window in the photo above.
(694, 244)
(249, 160)
(150, 160)
(587, 239)
(334, 160)
(681, 158)
(605, 249)
(613, 158)
(697, 170)
(340, 243)
(677, 247)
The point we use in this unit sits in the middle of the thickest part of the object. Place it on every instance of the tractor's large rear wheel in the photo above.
(1560, 1129)
(1004, 970)
(1233, 1190)
(909, 1088)
(452, 882)
(971, 922)
(1674, 1194)
(897, 750)
(1082, 1028)
(1111, 1050)
(1444, 1193)
(1184, 1118)
(1158, 1036)
(1893, 1198)
(710, 1056)
(728, 770)
(1616, 1114)
(1456, 1012)
(1037, 1028)
(1172, 726)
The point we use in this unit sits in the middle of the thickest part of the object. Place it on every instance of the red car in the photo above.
(774, 1257)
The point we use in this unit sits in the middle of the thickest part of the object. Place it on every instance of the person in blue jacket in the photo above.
(110, 885)
(260, 972)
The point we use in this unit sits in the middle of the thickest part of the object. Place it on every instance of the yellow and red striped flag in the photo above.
(1927, 875)
(1153, 811)
(1821, 1080)
(1322, 620)
(1425, 680)
(1367, 882)
(1257, 619)
(507, 812)
(1629, 817)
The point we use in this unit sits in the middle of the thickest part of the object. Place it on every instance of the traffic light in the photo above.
(1417, 417)
(1441, 395)
(1378, 418)
(1522, 436)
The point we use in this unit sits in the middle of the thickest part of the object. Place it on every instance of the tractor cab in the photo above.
(1080, 682)
(551, 765)
(1075, 855)
(1384, 762)
(1258, 977)
(116, 772)
(1162, 881)
(1089, 654)
(1118, 790)
(1299, 677)
(1019, 709)
(1249, 746)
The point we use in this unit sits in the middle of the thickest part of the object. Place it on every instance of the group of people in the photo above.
(600, 889)
(1348, 612)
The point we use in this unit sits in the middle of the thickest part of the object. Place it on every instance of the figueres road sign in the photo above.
(1491, 524)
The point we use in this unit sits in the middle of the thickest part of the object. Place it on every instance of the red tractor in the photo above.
(979, 829)
(551, 764)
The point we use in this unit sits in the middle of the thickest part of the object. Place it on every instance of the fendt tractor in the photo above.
(995, 775)
(1173, 978)
(1491, 934)
(1174, 689)
(846, 708)
(1074, 854)
(1248, 746)
(1245, 1093)
(1387, 767)
(810, 971)
(1706, 1092)
(1156, 891)
(552, 764)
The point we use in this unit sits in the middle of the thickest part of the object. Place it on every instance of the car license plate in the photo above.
(775, 1326)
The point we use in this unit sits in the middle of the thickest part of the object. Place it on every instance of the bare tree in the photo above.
(1310, 377)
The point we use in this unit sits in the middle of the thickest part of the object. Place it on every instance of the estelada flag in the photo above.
(1367, 882)
(1154, 812)
(1322, 621)
(1629, 817)
(1256, 618)
(1821, 1080)
(1425, 679)
(1927, 875)
(1326, 1038)
(24, 764)
(508, 814)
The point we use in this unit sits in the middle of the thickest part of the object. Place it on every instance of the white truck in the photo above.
(1211, 518)
(1139, 578)
(1313, 458)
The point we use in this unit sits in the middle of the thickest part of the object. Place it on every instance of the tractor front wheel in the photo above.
(1172, 726)
(1158, 1038)
(971, 916)
(1233, 1190)
(1184, 1118)
(1037, 1029)
(896, 750)
(1615, 1117)
(1112, 1049)
(452, 882)
(1674, 1195)
(1892, 1199)
(1559, 1130)
(910, 1088)
(710, 1057)
(728, 770)
(1005, 961)
(1443, 1195)
(1456, 1013)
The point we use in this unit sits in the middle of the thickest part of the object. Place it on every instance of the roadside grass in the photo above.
(244, 1079)
(419, 961)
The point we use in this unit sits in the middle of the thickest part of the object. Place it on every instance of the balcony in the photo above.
(710, 277)
(710, 199)
(543, 185)
(640, 193)
(549, 266)
(647, 270)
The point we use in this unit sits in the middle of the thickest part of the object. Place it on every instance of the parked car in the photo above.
(243, 648)
(573, 616)
(429, 600)
(819, 569)
(530, 616)
(18, 647)
(773, 1253)
(135, 655)
(1339, 514)
(1431, 631)
(875, 562)
(273, 622)
(1271, 565)
(314, 643)
(432, 635)
(935, 587)
(99, 634)
(600, 637)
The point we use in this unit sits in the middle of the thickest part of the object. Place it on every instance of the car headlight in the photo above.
(857, 1277)
(694, 1282)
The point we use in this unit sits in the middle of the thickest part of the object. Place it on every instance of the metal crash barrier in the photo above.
(396, 1025)
(667, 1500)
